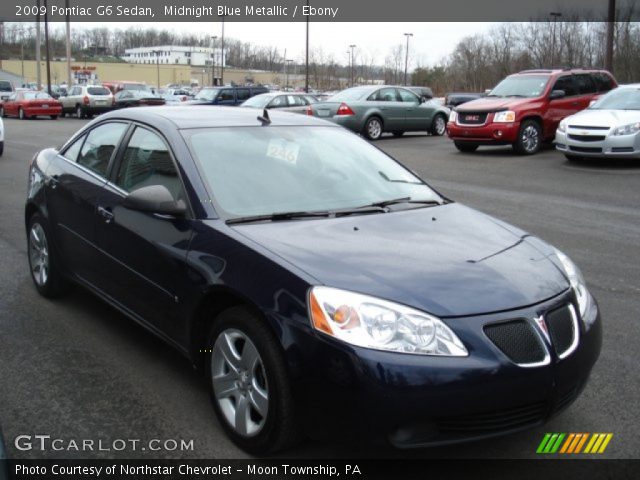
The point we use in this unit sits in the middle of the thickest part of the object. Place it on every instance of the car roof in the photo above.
(185, 117)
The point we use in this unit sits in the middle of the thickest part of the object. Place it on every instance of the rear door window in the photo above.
(567, 84)
(584, 84)
(243, 94)
(225, 95)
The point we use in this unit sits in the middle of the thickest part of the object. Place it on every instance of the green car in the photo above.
(373, 110)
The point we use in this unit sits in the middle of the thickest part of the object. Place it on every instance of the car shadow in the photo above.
(603, 164)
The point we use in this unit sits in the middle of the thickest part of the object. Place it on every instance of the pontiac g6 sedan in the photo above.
(321, 286)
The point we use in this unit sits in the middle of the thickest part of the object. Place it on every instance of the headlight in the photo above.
(562, 127)
(627, 129)
(504, 117)
(579, 287)
(381, 325)
(452, 116)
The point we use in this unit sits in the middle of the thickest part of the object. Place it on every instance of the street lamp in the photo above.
(213, 60)
(157, 53)
(406, 58)
(222, 54)
(306, 75)
(555, 16)
(286, 78)
(352, 62)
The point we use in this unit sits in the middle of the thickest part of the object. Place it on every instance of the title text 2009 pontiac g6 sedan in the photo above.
(322, 287)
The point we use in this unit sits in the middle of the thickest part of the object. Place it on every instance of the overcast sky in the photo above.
(430, 42)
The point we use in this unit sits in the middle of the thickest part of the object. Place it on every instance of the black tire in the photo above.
(398, 133)
(529, 139)
(22, 115)
(373, 128)
(280, 429)
(466, 147)
(55, 284)
(1, 148)
(53, 117)
(439, 125)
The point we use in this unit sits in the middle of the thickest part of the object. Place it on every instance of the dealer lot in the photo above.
(76, 369)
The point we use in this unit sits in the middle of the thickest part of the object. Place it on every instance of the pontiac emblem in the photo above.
(543, 327)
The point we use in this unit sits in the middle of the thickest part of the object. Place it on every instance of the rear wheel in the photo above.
(79, 112)
(466, 147)
(43, 262)
(1, 148)
(22, 115)
(439, 125)
(249, 383)
(373, 128)
(529, 138)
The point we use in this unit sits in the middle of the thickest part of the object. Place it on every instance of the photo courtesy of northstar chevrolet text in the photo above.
(313, 238)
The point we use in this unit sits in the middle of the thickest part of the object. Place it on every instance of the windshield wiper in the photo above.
(396, 201)
(516, 95)
(273, 217)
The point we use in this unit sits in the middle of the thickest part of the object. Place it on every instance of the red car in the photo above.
(31, 103)
(524, 109)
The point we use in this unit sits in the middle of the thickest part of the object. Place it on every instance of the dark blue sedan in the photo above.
(323, 287)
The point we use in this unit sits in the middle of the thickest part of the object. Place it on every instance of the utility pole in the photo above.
(38, 43)
(406, 58)
(555, 16)
(222, 55)
(68, 52)
(213, 60)
(611, 22)
(306, 76)
(349, 56)
(46, 45)
(288, 62)
(157, 52)
(352, 63)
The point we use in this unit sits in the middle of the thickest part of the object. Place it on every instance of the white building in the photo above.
(174, 55)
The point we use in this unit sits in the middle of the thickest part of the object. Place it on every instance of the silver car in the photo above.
(86, 100)
(286, 101)
(609, 128)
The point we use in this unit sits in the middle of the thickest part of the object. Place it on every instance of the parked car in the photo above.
(373, 110)
(452, 100)
(6, 89)
(286, 101)
(175, 96)
(87, 100)
(137, 98)
(227, 96)
(1, 136)
(424, 92)
(321, 285)
(29, 104)
(609, 128)
(524, 109)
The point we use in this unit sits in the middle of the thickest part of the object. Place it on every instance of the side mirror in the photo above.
(555, 94)
(155, 199)
(423, 99)
(487, 92)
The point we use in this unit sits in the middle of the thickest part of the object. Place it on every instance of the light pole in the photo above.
(38, 44)
(213, 61)
(349, 64)
(157, 52)
(68, 44)
(306, 75)
(555, 16)
(406, 57)
(611, 19)
(352, 63)
(288, 64)
(222, 55)
(46, 46)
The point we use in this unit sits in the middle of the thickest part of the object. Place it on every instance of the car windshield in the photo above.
(520, 86)
(35, 95)
(259, 101)
(619, 99)
(264, 171)
(207, 94)
(350, 94)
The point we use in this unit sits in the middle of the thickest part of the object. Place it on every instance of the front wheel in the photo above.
(529, 138)
(439, 125)
(249, 383)
(466, 147)
(43, 262)
(22, 115)
(373, 128)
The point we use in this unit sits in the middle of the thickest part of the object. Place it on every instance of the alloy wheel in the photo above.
(374, 128)
(239, 382)
(39, 254)
(440, 126)
(530, 138)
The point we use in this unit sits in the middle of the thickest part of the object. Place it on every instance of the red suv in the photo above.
(525, 108)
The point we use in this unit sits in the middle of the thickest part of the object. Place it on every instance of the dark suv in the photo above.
(229, 96)
(525, 109)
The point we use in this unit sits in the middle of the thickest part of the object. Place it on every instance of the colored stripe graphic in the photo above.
(574, 443)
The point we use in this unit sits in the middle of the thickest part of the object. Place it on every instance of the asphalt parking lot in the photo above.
(76, 369)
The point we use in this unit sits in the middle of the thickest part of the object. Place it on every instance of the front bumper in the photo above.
(414, 400)
(619, 146)
(487, 134)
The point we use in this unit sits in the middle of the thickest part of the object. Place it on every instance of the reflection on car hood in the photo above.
(491, 104)
(448, 260)
(604, 118)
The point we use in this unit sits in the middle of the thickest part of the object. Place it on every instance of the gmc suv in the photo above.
(525, 108)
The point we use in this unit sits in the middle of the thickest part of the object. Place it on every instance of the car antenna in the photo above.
(264, 118)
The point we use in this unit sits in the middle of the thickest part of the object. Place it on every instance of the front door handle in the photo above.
(106, 214)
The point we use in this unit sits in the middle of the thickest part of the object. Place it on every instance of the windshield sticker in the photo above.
(283, 150)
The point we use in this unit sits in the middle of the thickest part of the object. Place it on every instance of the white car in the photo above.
(609, 128)
(1, 136)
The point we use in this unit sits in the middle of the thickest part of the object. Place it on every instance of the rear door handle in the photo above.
(106, 214)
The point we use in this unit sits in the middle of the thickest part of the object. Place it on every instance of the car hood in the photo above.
(448, 260)
(489, 104)
(604, 118)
